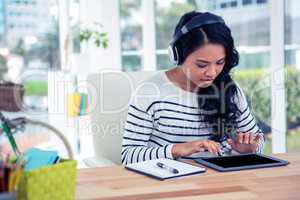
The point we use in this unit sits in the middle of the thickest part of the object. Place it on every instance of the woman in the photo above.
(194, 109)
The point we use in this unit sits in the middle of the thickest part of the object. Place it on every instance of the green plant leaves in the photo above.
(256, 85)
(100, 39)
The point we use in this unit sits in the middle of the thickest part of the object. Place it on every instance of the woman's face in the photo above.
(203, 65)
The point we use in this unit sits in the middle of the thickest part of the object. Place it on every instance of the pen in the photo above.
(171, 169)
(11, 177)
(18, 174)
(11, 138)
(1, 176)
(6, 171)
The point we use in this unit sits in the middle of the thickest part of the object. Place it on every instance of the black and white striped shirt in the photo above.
(161, 114)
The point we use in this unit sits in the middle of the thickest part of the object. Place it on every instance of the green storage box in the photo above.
(48, 183)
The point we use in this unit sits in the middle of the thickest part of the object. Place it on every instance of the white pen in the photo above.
(171, 169)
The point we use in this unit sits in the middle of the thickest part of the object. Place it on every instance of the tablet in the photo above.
(241, 162)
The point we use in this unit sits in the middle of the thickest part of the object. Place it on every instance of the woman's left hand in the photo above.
(245, 142)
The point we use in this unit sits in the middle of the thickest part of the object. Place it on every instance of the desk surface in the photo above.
(117, 183)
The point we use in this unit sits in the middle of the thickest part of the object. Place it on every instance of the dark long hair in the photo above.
(225, 111)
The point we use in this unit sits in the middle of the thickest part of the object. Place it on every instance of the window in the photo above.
(131, 34)
(167, 14)
(223, 5)
(261, 1)
(30, 47)
(233, 4)
(247, 2)
(252, 38)
(250, 27)
(75, 25)
(292, 65)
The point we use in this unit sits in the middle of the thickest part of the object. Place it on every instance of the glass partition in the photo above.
(292, 65)
(250, 25)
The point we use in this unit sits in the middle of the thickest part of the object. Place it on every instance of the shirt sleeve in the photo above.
(246, 122)
(137, 134)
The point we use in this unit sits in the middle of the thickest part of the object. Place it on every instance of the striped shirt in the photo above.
(161, 114)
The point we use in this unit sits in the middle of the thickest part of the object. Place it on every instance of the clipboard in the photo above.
(150, 169)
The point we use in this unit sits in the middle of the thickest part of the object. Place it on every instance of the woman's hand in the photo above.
(188, 148)
(245, 142)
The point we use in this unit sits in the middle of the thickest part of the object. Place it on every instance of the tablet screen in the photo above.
(240, 161)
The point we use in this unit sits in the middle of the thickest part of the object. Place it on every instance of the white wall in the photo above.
(106, 13)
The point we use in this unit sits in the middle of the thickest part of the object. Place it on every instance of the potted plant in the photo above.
(88, 37)
(94, 34)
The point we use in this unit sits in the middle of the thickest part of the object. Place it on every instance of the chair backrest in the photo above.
(109, 97)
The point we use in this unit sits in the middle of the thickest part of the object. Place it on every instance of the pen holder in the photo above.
(56, 181)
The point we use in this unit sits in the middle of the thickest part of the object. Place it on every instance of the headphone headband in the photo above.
(196, 22)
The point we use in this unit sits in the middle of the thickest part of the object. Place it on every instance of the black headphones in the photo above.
(196, 22)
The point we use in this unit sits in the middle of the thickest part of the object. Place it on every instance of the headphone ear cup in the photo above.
(177, 56)
(173, 54)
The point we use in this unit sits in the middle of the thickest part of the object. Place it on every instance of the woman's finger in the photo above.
(214, 149)
(257, 138)
(210, 149)
(252, 137)
(233, 143)
(218, 148)
(246, 138)
(240, 137)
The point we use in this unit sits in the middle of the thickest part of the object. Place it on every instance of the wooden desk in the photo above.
(116, 183)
